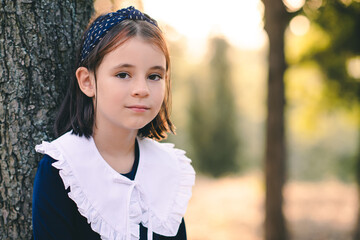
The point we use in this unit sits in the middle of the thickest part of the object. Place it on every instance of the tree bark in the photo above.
(276, 21)
(37, 49)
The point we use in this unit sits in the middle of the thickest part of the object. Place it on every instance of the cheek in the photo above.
(110, 96)
(162, 93)
(158, 95)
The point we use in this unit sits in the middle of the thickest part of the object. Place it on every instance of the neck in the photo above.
(117, 147)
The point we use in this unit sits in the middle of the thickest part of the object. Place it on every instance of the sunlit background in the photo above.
(320, 194)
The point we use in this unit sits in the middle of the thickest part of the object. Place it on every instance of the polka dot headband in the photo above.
(102, 26)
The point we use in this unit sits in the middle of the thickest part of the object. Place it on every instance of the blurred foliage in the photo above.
(212, 123)
(336, 40)
(323, 97)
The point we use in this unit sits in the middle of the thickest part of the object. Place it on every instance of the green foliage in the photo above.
(318, 85)
(341, 22)
(213, 116)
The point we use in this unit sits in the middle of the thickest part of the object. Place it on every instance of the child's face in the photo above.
(130, 86)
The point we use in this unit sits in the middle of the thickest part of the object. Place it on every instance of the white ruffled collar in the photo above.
(115, 205)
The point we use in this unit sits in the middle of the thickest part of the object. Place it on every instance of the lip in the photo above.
(138, 108)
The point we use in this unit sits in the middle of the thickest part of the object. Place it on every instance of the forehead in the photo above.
(136, 51)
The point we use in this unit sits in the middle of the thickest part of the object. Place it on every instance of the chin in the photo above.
(137, 126)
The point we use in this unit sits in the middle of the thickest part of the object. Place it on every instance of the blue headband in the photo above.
(103, 24)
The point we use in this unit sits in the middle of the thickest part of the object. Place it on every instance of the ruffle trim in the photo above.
(166, 227)
(97, 223)
(170, 226)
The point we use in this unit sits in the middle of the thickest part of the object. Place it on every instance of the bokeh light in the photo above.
(239, 21)
(294, 5)
(299, 25)
(353, 67)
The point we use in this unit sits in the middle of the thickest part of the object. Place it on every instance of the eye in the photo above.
(155, 77)
(123, 75)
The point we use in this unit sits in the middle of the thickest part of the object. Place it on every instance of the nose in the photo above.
(140, 88)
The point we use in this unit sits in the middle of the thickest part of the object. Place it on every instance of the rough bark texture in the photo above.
(37, 48)
(276, 21)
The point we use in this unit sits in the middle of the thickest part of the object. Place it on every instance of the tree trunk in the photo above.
(37, 49)
(275, 156)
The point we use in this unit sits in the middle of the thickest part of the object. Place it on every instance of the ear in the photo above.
(86, 81)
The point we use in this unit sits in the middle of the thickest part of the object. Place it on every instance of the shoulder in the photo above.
(162, 154)
(165, 161)
(166, 151)
(49, 191)
(47, 179)
(45, 162)
(68, 146)
(53, 212)
(45, 168)
(153, 147)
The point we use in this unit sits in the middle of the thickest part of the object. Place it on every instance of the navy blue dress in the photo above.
(55, 215)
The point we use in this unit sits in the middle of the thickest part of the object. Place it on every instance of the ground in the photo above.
(232, 208)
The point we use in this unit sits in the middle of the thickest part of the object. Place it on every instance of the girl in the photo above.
(105, 177)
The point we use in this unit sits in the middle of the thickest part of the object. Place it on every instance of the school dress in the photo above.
(77, 195)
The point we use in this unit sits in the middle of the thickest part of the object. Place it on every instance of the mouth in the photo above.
(138, 108)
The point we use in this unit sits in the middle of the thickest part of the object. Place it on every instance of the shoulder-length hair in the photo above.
(77, 111)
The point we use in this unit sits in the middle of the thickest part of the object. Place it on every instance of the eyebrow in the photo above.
(126, 65)
(161, 68)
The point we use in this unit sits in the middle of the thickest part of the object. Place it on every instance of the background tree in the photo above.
(37, 45)
(276, 21)
(213, 123)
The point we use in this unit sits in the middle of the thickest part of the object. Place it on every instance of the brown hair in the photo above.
(77, 110)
